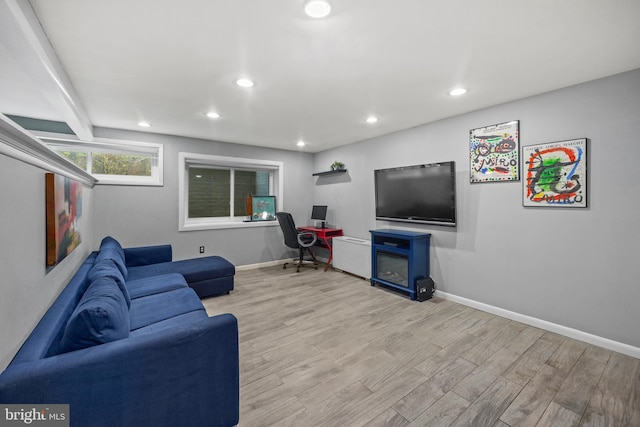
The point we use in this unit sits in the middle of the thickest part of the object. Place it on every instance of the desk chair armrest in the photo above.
(308, 234)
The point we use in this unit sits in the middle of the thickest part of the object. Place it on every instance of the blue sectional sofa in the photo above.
(129, 343)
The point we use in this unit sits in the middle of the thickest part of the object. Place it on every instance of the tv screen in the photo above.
(420, 193)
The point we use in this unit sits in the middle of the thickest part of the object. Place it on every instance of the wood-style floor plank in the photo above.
(485, 411)
(327, 349)
(609, 404)
(388, 418)
(578, 388)
(533, 400)
(427, 393)
(557, 416)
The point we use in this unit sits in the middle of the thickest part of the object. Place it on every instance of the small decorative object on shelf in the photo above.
(337, 166)
(263, 208)
(248, 201)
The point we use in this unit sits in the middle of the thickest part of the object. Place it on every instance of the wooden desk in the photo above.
(325, 235)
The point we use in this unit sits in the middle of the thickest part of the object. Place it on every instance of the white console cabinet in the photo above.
(352, 255)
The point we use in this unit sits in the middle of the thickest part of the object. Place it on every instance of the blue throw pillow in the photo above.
(101, 316)
(108, 268)
(110, 242)
(111, 249)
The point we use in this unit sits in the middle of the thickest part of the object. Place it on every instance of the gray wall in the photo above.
(577, 268)
(26, 289)
(138, 216)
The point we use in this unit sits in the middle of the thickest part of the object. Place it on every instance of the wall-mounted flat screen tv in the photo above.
(420, 193)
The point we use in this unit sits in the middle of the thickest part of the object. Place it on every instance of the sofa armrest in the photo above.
(187, 375)
(146, 255)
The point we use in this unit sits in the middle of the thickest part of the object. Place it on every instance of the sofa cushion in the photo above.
(111, 249)
(158, 307)
(155, 285)
(181, 321)
(144, 255)
(100, 317)
(108, 268)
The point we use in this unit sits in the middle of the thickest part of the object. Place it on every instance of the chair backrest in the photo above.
(288, 229)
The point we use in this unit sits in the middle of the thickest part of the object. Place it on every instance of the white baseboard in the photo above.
(260, 265)
(271, 263)
(616, 346)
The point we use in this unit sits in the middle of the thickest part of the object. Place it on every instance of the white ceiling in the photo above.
(169, 62)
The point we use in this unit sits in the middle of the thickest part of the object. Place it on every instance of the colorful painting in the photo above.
(556, 174)
(494, 152)
(263, 208)
(63, 209)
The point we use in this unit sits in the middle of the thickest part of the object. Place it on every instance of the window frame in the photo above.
(224, 162)
(55, 142)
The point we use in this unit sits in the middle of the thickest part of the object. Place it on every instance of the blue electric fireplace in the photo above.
(399, 259)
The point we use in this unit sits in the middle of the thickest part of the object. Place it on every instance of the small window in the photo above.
(214, 189)
(121, 164)
(216, 193)
(112, 162)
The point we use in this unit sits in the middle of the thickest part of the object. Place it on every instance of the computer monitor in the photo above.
(319, 213)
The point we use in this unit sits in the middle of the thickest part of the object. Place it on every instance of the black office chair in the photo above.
(296, 239)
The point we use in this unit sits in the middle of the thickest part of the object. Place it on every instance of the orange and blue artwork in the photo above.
(63, 211)
(494, 152)
(556, 174)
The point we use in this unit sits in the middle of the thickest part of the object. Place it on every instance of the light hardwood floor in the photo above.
(327, 349)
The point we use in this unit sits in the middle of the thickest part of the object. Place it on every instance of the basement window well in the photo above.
(111, 162)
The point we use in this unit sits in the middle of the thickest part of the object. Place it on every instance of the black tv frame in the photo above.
(450, 189)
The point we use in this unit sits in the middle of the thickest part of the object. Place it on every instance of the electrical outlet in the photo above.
(201, 249)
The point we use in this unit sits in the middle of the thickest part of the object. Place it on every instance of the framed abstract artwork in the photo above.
(63, 209)
(556, 174)
(263, 208)
(494, 152)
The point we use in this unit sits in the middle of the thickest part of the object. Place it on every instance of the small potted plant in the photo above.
(337, 166)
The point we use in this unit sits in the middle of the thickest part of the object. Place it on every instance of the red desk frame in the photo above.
(325, 235)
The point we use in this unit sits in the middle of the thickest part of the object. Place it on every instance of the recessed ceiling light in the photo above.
(213, 115)
(245, 83)
(458, 91)
(144, 124)
(301, 144)
(317, 8)
(371, 119)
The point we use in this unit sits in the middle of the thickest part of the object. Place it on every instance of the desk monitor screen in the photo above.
(319, 213)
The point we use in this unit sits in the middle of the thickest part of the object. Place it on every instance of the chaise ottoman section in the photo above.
(208, 276)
